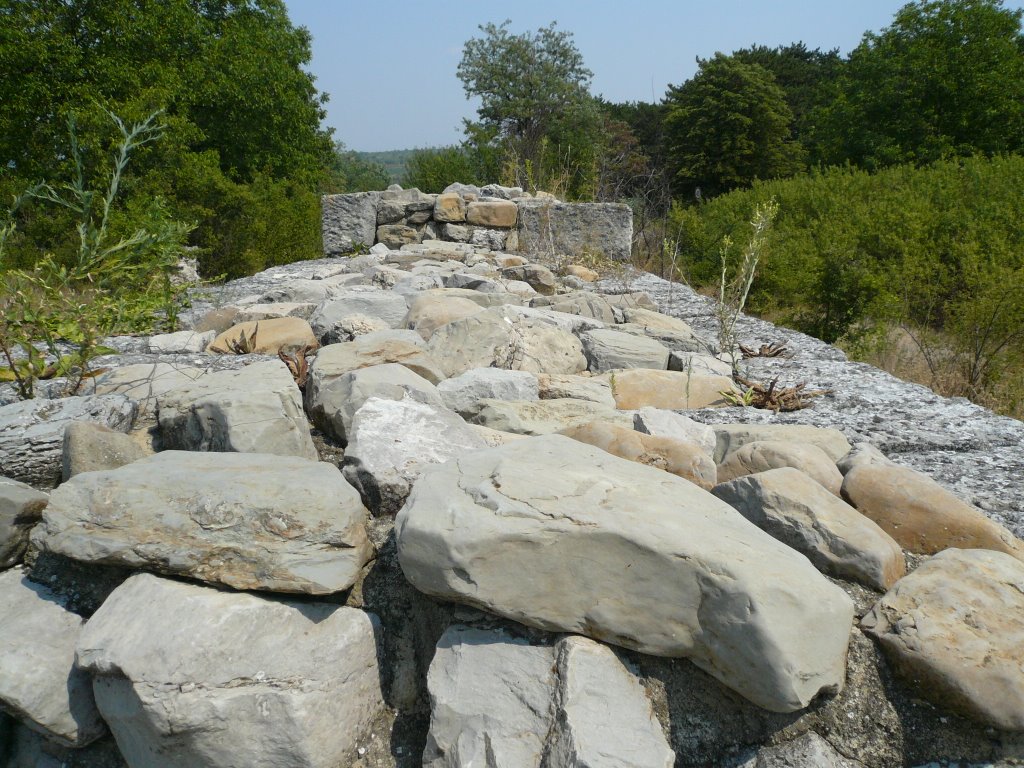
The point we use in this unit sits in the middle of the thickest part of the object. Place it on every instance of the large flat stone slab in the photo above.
(190, 676)
(248, 521)
(954, 630)
(493, 339)
(563, 536)
(543, 417)
(257, 409)
(38, 680)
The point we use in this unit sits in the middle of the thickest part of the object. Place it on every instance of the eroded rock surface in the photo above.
(248, 521)
(230, 679)
(954, 630)
(563, 536)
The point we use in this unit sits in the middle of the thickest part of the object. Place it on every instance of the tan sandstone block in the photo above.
(287, 334)
(642, 387)
(493, 213)
(686, 460)
(922, 515)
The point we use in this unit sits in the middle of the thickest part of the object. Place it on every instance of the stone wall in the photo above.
(495, 217)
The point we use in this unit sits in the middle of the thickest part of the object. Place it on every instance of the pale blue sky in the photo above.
(389, 65)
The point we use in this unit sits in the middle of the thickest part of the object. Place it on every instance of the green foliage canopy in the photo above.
(728, 126)
(945, 79)
(242, 117)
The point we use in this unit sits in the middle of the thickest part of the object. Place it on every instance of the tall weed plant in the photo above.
(54, 315)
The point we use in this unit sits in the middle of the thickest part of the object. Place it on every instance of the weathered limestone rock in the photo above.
(229, 679)
(332, 321)
(685, 460)
(664, 423)
(541, 279)
(268, 337)
(609, 350)
(543, 417)
(275, 310)
(492, 213)
(495, 437)
(348, 220)
(861, 453)
(562, 536)
(142, 382)
(732, 436)
(21, 507)
(642, 387)
(458, 233)
(585, 274)
(450, 206)
(501, 192)
(428, 312)
(249, 521)
(496, 700)
(654, 320)
(334, 360)
(333, 403)
(582, 303)
(91, 447)
(390, 443)
(698, 363)
(485, 300)
(301, 291)
(490, 697)
(180, 341)
(954, 630)
(257, 409)
(553, 386)
(762, 455)
(462, 393)
(397, 235)
(32, 432)
(800, 513)
(589, 732)
(490, 338)
(807, 751)
(39, 683)
(576, 229)
(922, 515)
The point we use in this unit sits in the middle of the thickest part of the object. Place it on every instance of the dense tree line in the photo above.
(243, 156)
(945, 79)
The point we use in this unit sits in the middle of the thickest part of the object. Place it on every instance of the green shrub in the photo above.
(54, 314)
(936, 250)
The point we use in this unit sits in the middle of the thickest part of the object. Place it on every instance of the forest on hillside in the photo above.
(132, 131)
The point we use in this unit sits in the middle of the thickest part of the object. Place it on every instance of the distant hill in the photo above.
(393, 160)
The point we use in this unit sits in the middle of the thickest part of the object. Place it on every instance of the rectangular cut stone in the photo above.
(492, 213)
(349, 220)
(575, 229)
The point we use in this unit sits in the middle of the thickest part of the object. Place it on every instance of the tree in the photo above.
(239, 110)
(728, 126)
(352, 173)
(804, 77)
(533, 95)
(945, 79)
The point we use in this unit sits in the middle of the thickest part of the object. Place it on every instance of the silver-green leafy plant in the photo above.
(734, 283)
(53, 316)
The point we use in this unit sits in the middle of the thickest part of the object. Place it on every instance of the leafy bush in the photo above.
(53, 315)
(937, 250)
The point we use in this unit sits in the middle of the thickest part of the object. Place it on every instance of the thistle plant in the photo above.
(734, 289)
(53, 316)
